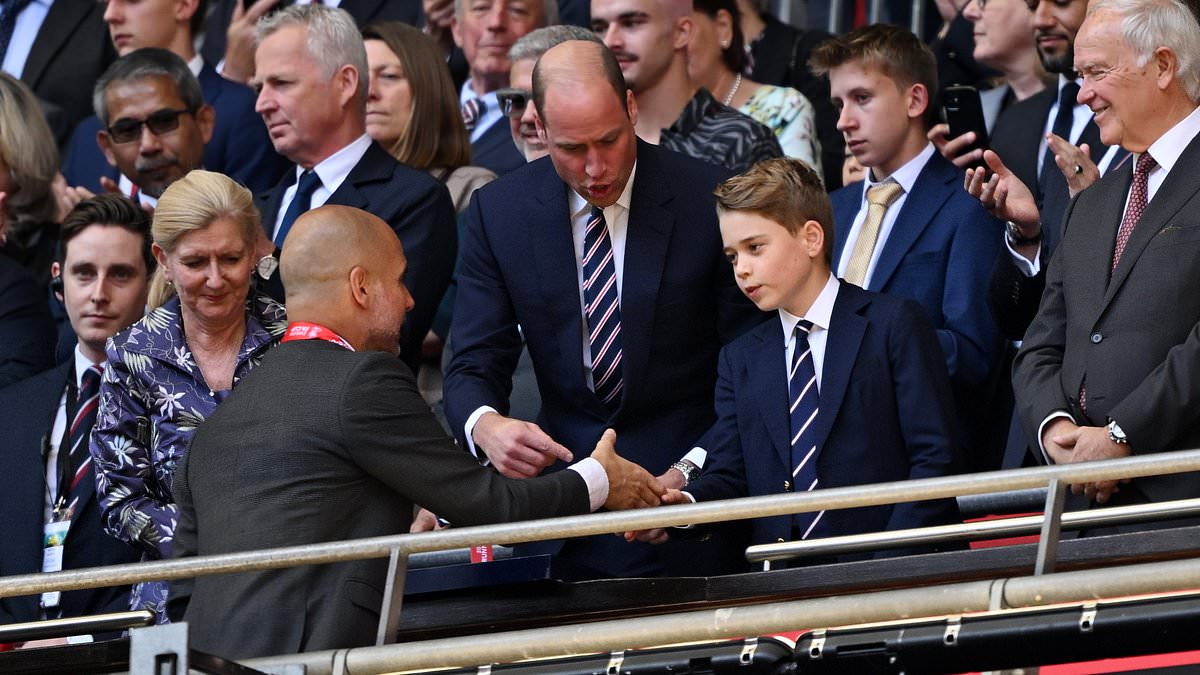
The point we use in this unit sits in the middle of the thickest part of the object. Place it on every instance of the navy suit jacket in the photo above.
(27, 411)
(940, 253)
(495, 150)
(419, 210)
(72, 49)
(679, 304)
(240, 147)
(27, 335)
(886, 414)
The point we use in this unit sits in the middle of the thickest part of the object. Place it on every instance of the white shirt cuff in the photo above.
(597, 481)
(1028, 267)
(1042, 427)
(697, 456)
(470, 426)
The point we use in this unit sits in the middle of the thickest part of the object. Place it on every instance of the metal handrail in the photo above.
(79, 625)
(984, 529)
(1084, 586)
(603, 523)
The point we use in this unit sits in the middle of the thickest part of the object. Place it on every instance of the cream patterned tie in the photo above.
(879, 198)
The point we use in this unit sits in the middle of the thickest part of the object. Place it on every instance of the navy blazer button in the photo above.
(787, 486)
(1096, 338)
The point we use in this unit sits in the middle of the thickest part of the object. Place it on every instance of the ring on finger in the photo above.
(1078, 169)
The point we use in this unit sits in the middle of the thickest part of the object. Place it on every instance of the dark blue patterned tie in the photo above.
(603, 310)
(9, 11)
(803, 404)
(81, 431)
(309, 182)
(1051, 177)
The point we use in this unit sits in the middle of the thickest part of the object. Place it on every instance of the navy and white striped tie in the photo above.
(803, 404)
(603, 310)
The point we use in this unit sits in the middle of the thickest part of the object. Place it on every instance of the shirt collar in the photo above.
(693, 113)
(468, 94)
(334, 169)
(196, 64)
(1167, 149)
(906, 175)
(820, 313)
(578, 204)
(82, 363)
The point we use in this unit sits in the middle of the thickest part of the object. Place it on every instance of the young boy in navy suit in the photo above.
(847, 387)
(909, 229)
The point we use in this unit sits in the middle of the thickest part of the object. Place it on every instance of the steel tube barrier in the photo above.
(984, 529)
(603, 523)
(605, 636)
(80, 625)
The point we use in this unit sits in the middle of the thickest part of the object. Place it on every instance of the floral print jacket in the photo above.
(152, 398)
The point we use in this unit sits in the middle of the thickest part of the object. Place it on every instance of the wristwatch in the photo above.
(690, 471)
(266, 266)
(1116, 434)
(1015, 238)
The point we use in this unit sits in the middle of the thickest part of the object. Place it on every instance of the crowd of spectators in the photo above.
(403, 262)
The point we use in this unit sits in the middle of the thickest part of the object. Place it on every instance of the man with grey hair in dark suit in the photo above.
(329, 439)
(1108, 366)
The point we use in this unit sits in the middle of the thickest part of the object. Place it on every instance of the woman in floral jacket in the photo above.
(168, 372)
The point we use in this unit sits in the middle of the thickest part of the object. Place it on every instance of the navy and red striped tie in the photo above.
(81, 430)
(603, 310)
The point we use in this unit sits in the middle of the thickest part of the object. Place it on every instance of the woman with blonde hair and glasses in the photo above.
(168, 372)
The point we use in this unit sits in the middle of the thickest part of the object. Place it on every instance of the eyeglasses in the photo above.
(127, 129)
(513, 101)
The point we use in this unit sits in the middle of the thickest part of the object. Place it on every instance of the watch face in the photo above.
(266, 266)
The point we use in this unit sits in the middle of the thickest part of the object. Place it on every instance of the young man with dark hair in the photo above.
(52, 520)
(847, 387)
(909, 229)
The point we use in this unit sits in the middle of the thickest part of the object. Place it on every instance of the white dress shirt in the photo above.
(29, 22)
(333, 171)
(906, 176)
(82, 363)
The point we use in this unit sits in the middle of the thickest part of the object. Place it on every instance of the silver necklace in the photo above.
(737, 82)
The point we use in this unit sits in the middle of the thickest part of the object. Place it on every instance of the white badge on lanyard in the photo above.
(54, 536)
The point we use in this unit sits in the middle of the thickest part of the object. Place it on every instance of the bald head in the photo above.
(576, 64)
(343, 268)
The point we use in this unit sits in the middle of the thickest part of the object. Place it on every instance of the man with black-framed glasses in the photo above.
(154, 122)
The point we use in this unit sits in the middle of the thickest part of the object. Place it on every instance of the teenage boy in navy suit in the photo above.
(848, 387)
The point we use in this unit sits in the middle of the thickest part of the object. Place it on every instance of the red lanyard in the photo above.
(303, 330)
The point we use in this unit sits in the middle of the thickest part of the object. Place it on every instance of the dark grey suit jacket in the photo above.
(1136, 337)
(319, 444)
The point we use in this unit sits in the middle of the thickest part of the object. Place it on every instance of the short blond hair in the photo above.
(29, 149)
(784, 190)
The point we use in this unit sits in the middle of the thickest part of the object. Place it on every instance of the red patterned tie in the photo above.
(1137, 204)
(1138, 194)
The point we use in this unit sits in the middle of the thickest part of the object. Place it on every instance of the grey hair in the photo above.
(333, 38)
(535, 43)
(142, 64)
(549, 11)
(1147, 25)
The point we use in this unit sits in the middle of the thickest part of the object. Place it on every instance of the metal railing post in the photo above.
(159, 650)
(393, 597)
(1047, 553)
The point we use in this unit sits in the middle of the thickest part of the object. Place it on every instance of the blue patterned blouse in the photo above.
(152, 398)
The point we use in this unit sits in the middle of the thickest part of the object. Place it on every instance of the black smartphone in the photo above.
(964, 112)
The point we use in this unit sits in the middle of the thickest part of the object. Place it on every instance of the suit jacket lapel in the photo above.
(846, 203)
(552, 249)
(268, 202)
(932, 188)
(59, 25)
(647, 236)
(1175, 191)
(376, 165)
(1095, 242)
(846, 330)
(768, 375)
